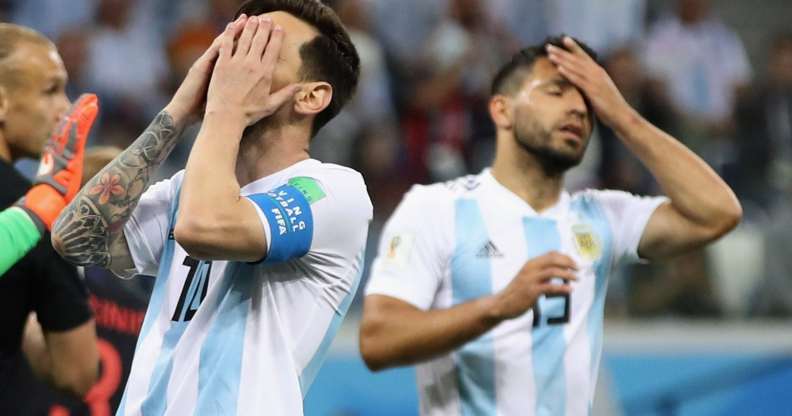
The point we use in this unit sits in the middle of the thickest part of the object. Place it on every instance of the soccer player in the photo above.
(32, 103)
(256, 248)
(495, 284)
(57, 182)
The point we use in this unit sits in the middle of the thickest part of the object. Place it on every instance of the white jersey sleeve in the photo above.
(627, 216)
(413, 250)
(147, 229)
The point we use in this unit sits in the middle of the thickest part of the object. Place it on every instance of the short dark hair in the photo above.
(330, 57)
(511, 75)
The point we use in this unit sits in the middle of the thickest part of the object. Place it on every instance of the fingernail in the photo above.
(266, 19)
(278, 28)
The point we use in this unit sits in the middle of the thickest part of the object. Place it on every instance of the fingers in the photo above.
(554, 272)
(283, 95)
(228, 36)
(261, 39)
(85, 114)
(575, 48)
(555, 259)
(567, 61)
(555, 289)
(245, 40)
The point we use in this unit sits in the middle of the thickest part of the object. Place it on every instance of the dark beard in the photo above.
(552, 162)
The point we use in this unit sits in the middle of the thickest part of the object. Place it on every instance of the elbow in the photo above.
(77, 381)
(370, 356)
(193, 237)
(372, 348)
(730, 218)
(63, 250)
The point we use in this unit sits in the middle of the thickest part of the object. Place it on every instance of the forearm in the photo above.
(88, 228)
(211, 170)
(214, 221)
(695, 189)
(407, 336)
(18, 235)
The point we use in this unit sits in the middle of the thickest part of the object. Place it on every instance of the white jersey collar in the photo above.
(491, 184)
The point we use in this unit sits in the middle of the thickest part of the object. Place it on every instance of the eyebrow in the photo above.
(560, 82)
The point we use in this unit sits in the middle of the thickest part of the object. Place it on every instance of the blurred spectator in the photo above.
(215, 13)
(602, 24)
(447, 128)
(679, 288)
(526, 20)
(51, 17)
(703, 64)
(619, 168)
(371, 111)
(126, 65)
(403, 25)
(73, 47)
(773, 297)
(763, 168)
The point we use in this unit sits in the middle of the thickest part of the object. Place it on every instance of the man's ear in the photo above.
(313, 98)
(501, 112)
(3, 104)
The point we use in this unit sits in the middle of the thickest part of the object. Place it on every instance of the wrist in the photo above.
(180, 115)
(493, 311)
(625, 120)
(226, 113)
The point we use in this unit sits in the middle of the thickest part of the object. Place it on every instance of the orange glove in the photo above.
(61, 167)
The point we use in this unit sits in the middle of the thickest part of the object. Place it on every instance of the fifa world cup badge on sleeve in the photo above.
(587, 243)
(399, 248)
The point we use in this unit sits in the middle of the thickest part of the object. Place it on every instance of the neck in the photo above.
(277, 148)
(520, 172)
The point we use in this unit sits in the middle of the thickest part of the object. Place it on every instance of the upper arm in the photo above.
(411, 256)
(669, 233)
(379, 308)
(74, 356)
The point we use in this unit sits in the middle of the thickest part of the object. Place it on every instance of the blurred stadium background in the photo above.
(707, 334)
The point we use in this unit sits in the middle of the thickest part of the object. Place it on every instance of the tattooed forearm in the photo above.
(89, 231)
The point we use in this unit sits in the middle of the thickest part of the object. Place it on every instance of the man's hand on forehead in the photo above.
(581, 70)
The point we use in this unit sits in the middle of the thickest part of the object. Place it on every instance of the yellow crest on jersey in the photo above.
(587, 243)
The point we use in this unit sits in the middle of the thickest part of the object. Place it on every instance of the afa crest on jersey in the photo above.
(586, 241)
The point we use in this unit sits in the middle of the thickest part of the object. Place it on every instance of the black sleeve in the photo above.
(58, 294)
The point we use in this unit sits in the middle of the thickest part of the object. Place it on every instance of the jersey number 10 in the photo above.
(194, 291)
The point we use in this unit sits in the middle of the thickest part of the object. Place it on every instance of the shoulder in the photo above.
(343, 186)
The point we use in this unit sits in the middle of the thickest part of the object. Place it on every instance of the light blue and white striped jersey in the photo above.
(233, 338)
(452, 242)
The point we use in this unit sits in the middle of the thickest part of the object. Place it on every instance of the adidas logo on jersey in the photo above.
(489, 250)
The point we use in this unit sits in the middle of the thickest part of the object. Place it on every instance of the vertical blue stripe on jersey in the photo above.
(593, 214)
(220, 362)
(548, 346)
(309, 372)
(157, 396)
(158, 292)
(471, 278)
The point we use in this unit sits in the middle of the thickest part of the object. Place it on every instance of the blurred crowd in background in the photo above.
(420, 113)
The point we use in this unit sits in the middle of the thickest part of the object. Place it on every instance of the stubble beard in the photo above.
(536, 140)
